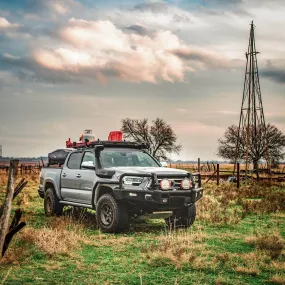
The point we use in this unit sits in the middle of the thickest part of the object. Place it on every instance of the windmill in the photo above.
(251, 122)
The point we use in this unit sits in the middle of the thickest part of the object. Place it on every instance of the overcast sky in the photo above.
(68, 65)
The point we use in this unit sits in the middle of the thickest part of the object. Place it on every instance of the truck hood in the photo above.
(142, 170)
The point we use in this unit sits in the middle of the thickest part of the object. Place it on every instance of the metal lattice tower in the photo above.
(251, 115)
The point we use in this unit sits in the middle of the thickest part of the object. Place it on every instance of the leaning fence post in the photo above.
(5, 210)
(218, 173)
(238, 177)
(208, 166)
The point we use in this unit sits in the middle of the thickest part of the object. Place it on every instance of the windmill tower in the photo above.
(251, 122)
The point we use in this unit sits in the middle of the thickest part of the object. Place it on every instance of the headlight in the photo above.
(132, 180)
(186, 184)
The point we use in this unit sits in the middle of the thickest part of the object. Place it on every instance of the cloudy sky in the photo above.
(68, 65)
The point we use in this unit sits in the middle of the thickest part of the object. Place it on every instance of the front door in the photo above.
(86, 179)
(68, 176)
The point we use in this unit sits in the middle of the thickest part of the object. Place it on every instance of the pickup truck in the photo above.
(120, 180)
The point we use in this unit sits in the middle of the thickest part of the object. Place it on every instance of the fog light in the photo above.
(186, 184)
(165, 184)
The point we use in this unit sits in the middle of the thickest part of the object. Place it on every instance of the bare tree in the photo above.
(159, 136)
(260, 140)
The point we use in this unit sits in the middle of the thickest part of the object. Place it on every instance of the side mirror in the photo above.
(92, 167)
(87, 165)
(163, 163)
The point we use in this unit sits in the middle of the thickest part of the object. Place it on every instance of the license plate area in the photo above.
(176, 200)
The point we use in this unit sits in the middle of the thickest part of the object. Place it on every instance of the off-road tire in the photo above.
(51, 204)
(183, 218)
(111, 215)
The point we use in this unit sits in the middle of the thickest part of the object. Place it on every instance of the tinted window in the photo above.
(74, 160)
(88, 159)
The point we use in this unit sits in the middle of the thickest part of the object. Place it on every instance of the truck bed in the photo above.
(50, 174)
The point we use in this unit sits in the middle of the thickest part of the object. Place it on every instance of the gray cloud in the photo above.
(221, 7)
(43, 7)
(154, 7)
(273, 72)
(223, 2)
(27, 69)
(163, 8)
(207, 58)
(138, 29)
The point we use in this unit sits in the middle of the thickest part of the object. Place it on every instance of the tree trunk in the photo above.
(7, 205)
(255, 166)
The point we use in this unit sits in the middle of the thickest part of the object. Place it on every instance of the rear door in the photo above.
(86, 179)
(68, 176)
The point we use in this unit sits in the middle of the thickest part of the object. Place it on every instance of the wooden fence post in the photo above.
(199, 165)
(208, 166)
(5, 210)
(218, 174)
(238, 177)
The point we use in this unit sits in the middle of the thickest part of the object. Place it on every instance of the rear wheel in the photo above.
(51, 204)
(112, 215)
(182, 218)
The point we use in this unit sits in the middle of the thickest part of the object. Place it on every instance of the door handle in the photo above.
(63, 174)
(78, 175)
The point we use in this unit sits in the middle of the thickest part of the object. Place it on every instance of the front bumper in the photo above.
(160, 198)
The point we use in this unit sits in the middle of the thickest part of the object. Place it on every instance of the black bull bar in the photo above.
(154, 178)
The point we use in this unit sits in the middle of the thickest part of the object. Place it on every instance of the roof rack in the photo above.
(121, 144)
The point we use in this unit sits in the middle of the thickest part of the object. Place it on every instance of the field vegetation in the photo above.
(238, 238)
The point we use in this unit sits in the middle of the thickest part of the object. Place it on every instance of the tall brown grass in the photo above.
(60, 237)
(271, 242)
(175, 248)
(227, 204)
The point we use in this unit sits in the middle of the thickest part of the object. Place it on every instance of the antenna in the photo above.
(251, 122)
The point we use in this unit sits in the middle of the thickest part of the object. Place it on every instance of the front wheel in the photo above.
(111, 215)
(182, 218)
(51, 204)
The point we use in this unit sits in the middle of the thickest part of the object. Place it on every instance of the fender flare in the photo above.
(95, 192)
(51, 181)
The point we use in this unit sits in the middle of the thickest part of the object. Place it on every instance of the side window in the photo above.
(88, 159)
(74, 160)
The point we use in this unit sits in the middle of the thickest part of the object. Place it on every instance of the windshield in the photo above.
(127, 157)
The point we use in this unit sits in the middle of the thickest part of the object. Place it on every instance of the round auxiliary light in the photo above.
(186, 183)
(165, 184)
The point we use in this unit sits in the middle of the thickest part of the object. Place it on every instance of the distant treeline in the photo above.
(26, 159)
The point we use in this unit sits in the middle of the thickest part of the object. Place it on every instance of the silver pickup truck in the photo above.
(120, 180)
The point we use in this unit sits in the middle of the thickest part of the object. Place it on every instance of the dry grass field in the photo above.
(238, 238)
